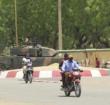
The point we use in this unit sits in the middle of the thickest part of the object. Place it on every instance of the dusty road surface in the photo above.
(95, 91)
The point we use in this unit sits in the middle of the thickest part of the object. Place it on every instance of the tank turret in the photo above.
(38, 51)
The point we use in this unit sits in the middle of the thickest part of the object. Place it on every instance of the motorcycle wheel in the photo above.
(26, 78)
(67, 93)
(77, 89)
(30, 77)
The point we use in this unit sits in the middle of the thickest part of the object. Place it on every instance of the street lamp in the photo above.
(16, 28)
(59, 25)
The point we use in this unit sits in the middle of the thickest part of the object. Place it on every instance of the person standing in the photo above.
(97, 63)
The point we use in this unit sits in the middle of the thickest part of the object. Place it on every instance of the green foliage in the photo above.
(86, 23)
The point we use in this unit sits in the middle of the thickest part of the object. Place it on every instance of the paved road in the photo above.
(95, 91)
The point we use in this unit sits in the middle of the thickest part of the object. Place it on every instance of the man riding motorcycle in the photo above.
(69, 66)
(66, 56)
(27, 62)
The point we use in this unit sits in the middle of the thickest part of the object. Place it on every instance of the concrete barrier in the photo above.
(55, 73)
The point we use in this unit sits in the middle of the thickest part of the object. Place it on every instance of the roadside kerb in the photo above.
(55, 73)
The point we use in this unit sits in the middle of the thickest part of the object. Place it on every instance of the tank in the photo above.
(38, 51)
(40, 55)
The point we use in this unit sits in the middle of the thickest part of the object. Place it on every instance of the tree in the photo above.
(86, 23)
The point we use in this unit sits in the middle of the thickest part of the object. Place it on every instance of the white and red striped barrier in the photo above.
(54, 74)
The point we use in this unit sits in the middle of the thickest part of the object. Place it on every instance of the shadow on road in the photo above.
(66, 96)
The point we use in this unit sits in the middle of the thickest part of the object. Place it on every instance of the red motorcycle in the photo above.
(72, 83)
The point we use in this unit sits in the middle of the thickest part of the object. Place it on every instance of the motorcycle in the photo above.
(72, 83)
(29, 74)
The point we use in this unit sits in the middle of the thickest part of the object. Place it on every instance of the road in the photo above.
(95, 91)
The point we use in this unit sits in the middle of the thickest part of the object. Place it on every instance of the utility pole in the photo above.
(16, 26)
(59, 25)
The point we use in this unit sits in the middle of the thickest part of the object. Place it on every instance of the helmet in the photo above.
(27, 55)
(70, 57)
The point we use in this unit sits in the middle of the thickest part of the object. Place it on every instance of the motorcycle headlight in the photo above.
(76, 73)
(70, 75)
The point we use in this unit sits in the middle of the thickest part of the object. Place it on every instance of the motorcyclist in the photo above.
(69, 66)
(66, 56)
(27, 62)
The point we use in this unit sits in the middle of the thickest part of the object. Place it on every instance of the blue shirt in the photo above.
(69, 65)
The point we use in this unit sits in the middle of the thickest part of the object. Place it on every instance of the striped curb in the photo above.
(53, 74)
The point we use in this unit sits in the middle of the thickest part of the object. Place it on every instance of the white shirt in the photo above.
(27, 61)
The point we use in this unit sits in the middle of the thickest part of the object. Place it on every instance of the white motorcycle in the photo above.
(28, 74)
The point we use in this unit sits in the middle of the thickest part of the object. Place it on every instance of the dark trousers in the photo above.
(63, 79)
